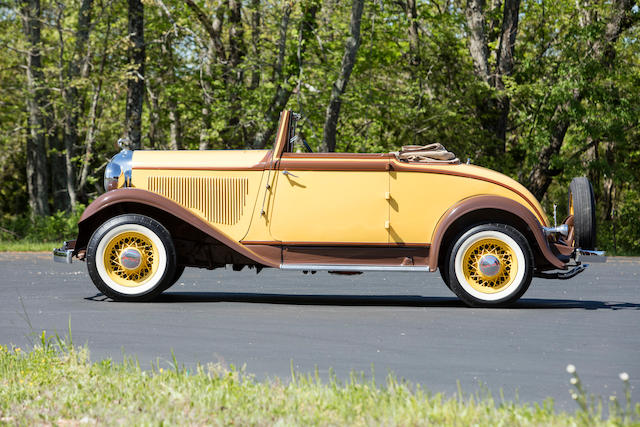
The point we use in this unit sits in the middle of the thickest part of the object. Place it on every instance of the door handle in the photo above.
(287, 173)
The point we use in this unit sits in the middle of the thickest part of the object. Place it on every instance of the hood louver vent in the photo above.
(218, 200)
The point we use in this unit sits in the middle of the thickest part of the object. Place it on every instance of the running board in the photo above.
(343, 267)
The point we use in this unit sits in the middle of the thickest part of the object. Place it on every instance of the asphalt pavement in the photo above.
(408, 324)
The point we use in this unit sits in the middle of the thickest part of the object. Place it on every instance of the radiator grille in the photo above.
(219, 200)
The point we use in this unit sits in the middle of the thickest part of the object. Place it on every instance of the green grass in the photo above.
(27, 246)
(56, 383)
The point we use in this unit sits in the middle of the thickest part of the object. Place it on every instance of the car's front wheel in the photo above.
(490, 265)
(131, 258)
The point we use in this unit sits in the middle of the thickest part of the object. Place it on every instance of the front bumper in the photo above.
(587, 256)
(65, 253)
(581, 257)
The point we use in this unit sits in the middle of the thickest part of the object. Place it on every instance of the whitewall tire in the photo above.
(490, 265)
(131, 258)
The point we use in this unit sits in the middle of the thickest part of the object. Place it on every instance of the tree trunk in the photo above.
(175, 128)
(156, 137)
(207, 98)
(494, 110)
(282, 94)
(175, 131)
(414, 36)
(213, 28)
(507, 44)
(541, 174)
(135, 83)
(37, 179)
(232, 135)
(339, 87)
(256, 17)
(90, 137)
(206, 126)
(237, 46)
(609, 189)
(477, 39)
(504, 67)
(282, 43)
(71, 96)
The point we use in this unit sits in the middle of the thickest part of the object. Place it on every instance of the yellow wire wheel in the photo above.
(131, 258)
(490, 265)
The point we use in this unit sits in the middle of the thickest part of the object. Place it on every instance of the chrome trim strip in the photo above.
(342, 267)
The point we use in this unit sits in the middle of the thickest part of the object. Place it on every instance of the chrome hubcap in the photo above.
(489, 265)
(130, 258)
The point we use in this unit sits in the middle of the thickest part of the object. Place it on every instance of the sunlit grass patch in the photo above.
(26, 245)
(56, 383)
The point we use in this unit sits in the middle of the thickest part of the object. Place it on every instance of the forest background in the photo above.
(540, 90)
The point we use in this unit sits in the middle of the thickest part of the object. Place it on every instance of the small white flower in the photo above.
(624, 376)
(574, 396)
(573, 380)
(571, 369)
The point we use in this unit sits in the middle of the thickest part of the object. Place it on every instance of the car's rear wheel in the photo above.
(490, 265)
(131, 258)
(583, 208)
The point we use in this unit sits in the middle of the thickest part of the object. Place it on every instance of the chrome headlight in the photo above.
(117, 174)
(111, 176)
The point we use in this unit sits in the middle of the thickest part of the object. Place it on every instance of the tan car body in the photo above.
(277, 208)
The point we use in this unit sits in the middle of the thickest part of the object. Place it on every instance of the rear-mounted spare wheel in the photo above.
(583, 208)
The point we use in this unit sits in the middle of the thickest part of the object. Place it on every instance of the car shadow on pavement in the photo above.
(369, 300)
(583, 304)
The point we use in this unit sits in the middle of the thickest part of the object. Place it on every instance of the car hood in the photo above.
(196, 159)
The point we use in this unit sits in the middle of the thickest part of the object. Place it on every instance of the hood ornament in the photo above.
(124, 143)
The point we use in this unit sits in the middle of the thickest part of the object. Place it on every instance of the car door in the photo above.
(331, 199)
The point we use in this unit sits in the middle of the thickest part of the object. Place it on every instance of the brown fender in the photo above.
(476, 203)
(143, 197)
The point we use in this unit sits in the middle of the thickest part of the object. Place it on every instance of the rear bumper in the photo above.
(65, 253)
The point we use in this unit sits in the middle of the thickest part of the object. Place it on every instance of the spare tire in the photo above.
(583, 208)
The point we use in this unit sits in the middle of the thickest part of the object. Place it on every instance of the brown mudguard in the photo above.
(477, 203)
(143, 197)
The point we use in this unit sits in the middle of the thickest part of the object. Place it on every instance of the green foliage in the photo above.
(55, 228)
(391, 100)
(622, 233)
(56, 383)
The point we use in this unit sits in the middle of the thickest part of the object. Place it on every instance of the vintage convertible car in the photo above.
(344, 213)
